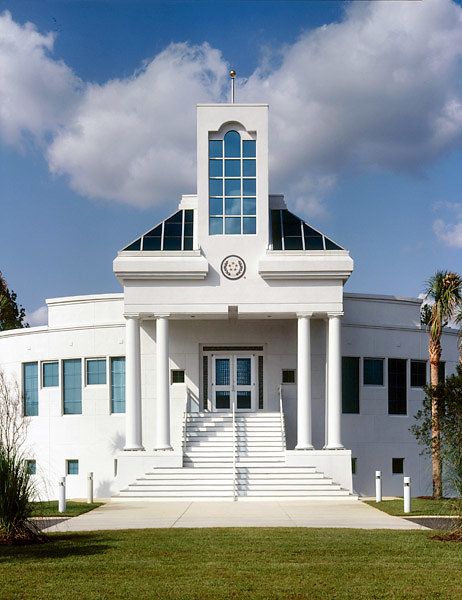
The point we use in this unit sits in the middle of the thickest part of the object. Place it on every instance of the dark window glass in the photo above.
(276, 229)
(397, 404)
(249, 187)
(397, 466)
(232, 144)
(288, 375)
(350, 385)
(118, 384)
(156, 232)
(205, 381)
(353, 465)
(260, 382)
(189, 216)
(232, 206)
(152, 243)
(96, 371)
(177, 376)
(216, 206)
(313, 243)
(249, 168)
(250, 206)
(249, 225)
(172, 243)
(373, 371)
(441, 371)
(188, 229)
(215, 168)
(72, 467)
(136, 245)
(249, 148)
(50, 374)
(232, 168)
(215, 187)
(188, 243)
(418, 373)
(216, 225)
(30, 390)
(72, 387)
(31, 467)
(331, 246)
(233, 225)
(215, 148)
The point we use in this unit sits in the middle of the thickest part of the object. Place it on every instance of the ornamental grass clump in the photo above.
(16, 484)
(16, 493)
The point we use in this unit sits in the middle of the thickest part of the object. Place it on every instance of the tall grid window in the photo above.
(72, 387)
(397, 385)
(373, 371)
(96, 371)
(118, 384)
(50, 374)
(30, 379)
(350, 385)
(232, 185)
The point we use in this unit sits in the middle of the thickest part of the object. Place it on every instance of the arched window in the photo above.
(232, 185)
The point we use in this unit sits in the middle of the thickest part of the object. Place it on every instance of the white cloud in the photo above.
(381, 89)
(38, 317)
(37, 93)
(133, 140)
(450, 233)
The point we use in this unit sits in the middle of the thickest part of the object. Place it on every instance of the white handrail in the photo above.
(184, 430)
(283, 425)
(234, 453)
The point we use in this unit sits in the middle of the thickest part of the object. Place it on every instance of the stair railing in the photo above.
(185, 416)
(283, 425)
(234, 453)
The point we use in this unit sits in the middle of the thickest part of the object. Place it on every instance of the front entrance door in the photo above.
(233, 382)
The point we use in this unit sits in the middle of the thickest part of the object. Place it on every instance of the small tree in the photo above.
(448, 398)
(16, 487)
(445, 290)
(11, 315)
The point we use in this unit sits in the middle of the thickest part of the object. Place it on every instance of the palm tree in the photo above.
(445, 290)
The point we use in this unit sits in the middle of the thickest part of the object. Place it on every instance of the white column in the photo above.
(132, 385)
(334, 385)
(304, 384)
(163, 385)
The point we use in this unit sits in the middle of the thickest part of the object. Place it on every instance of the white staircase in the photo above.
(241, 461)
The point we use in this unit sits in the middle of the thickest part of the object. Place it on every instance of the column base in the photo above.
(334, 447)
(132, 448)
(163, 448)
(304, 447)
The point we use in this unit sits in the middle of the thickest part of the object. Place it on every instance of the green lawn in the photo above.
(50, 509)
(246, 563)
(419, 506)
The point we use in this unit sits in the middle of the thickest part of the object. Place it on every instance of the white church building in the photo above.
(233, 365)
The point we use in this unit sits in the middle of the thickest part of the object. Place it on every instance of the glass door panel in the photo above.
(233, 382)
(244, 384)
(221, 383)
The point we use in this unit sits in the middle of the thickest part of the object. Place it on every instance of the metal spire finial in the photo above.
(233, 75)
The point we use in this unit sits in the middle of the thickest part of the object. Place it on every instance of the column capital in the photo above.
(330, 315)
(132, 316)
(307, 314)
(162, 315)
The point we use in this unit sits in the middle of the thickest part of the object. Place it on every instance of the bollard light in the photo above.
(90, 487)
(407, 494)
(378, 486)
(62, 495)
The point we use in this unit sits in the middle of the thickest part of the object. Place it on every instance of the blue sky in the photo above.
(97, 128)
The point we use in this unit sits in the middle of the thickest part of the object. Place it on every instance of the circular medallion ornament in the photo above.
(233, 267)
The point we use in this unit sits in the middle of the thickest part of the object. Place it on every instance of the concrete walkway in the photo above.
(294, 513)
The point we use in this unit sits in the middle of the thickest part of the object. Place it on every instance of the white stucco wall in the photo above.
(380, 327)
